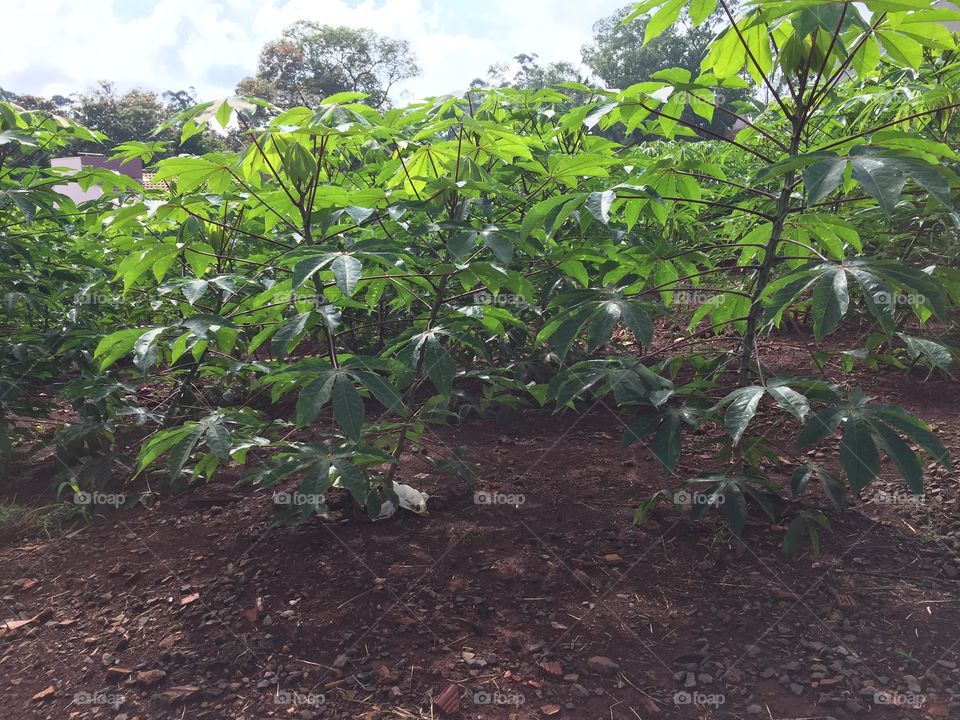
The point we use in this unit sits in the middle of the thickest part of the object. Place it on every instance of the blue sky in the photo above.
(61, 46)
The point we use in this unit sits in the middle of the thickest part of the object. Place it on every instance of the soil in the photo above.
(531, 594)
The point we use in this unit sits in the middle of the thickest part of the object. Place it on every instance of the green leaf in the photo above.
(931, 352)
(830, 302)
(598, 204)
(741, 410)
(501, 246)
(602, 321)
(346, 272)
(640, 324)
(662, 19)
(915, 430)
(355, 481)
(700, 10)
(858, 454)
(438, 365)
(180, 452)
(799, 479)
(313, 397)
(734, 508)
(820, 424)
(283, 341)
(666, 443)
(822, 178)
(193, 290)
(462, 244)
(880, 178)
(347, 406)
(219, 442)
(382, 390)
(790, 400)
(305, 269)
(903, 457)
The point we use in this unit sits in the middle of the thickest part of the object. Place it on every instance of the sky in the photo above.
(62, 46)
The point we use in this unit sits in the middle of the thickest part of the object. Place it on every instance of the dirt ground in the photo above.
(529, 595)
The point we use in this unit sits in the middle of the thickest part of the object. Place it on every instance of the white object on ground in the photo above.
(410, 499)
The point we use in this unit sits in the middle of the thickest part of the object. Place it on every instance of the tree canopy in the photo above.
(311, 61)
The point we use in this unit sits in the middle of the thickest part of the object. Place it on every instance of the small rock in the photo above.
(602, 664)
(150, 677)
(754, 709)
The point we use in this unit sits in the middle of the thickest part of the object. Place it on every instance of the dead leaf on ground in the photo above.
(845, 601)
(449, 700)
(187, 599)
(43, 694)
(552, 667)
(549, 709)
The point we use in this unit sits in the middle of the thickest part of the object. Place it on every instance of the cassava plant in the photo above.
(319, 299)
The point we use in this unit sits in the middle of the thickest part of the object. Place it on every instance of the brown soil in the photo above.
(556, 606)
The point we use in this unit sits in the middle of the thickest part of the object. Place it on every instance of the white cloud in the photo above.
(60, 46)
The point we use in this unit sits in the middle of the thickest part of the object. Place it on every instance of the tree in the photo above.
(530, 75)
(619, 57)
(130, 116)
(312, 61)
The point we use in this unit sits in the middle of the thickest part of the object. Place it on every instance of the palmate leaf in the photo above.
(313, 397)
